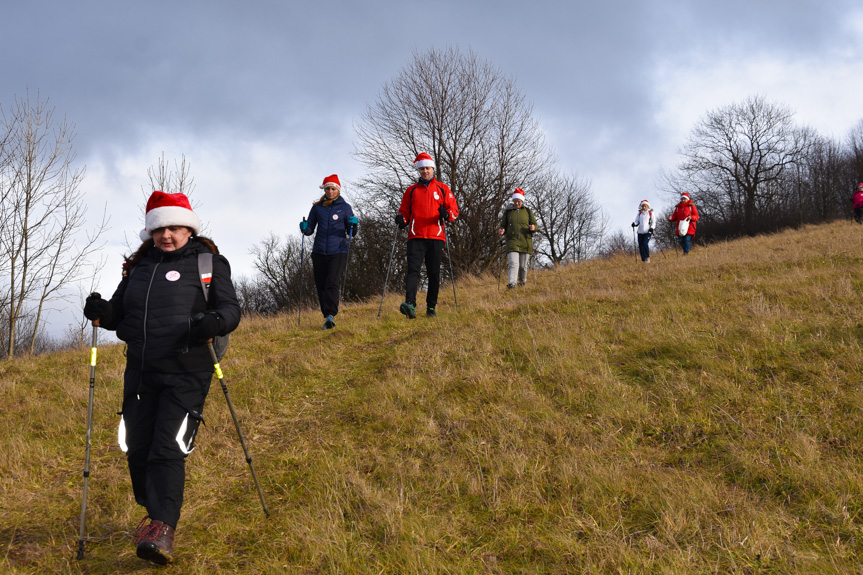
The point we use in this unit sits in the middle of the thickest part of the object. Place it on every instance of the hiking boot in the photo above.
(647, 260)
(510, 286)
(430, 312)
(409, 310)
(330, 323)
(156, 543)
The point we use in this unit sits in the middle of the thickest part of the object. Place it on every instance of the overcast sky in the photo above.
(262, 96)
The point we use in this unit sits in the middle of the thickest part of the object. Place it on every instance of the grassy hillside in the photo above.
(699, 414)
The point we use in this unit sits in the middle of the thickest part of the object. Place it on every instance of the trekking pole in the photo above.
(386, 279)
(89, 434)
(300, 274)
(237, 424)
(636, 245)
(451, 277)
(500, 264)
(347, 261)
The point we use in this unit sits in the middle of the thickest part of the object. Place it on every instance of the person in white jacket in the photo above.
(644, 223)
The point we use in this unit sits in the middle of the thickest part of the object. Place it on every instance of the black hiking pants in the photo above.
(161, 414)
(328, 278)
(431, 252)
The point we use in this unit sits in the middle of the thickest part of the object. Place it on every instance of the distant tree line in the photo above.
(750, 169)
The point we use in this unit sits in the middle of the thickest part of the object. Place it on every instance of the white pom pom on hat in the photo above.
(331, 181)
(423, 160)
(165, 210)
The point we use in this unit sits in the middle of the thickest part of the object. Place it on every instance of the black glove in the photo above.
(97, 308)
(205, 326)
(400, 221)
(650, 231)
(634, 225)
(444, 215)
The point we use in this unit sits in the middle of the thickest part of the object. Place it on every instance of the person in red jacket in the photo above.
(684, 217)
(426, 208)
(857, 199)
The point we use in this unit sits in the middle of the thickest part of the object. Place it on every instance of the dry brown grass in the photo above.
(693, 415)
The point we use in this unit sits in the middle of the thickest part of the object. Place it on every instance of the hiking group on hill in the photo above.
(176, 297)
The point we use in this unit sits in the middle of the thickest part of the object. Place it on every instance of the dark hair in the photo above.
(135, 258)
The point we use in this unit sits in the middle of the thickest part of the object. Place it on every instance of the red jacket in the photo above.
(682, 211)
(858, 199)
(420, 205)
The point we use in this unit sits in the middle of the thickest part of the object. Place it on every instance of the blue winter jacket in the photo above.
(332, 237)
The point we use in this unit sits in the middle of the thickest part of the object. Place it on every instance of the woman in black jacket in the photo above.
(160, 311)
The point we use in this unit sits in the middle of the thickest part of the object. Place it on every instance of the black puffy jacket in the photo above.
(153, 306)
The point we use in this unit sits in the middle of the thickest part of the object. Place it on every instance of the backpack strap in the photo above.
(205, 271)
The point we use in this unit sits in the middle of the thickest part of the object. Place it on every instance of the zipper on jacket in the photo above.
(147, 309)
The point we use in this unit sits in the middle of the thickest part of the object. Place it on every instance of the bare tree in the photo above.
(43, 244)
(571, 223)
(855, 146)
(477, 126)
(736, 162)
(282, 272)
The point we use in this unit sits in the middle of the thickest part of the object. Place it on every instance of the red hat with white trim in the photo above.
(684, 195)
(330, 181)
(165, 210)
(518, 194)
(644, 203)
(423, 160)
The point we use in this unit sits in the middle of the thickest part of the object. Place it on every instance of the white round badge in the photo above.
(172, 276)
(437, 197)
(335, 216)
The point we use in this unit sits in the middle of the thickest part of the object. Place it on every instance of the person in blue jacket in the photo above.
(336, 222)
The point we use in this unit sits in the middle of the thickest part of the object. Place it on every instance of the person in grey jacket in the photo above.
(517, 226)
(160, 311)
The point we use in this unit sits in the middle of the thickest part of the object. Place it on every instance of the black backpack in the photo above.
(205, 271)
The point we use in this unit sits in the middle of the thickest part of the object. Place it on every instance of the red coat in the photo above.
(682, 211)
(420, 205)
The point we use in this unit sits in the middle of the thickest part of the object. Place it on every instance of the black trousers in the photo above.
(161, 414)
(328, 279)
(431, 252)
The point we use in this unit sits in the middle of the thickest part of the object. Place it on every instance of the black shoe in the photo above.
(430, 312)
(409, 310)
(330, 323)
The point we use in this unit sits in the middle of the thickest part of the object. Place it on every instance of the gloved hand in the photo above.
(97, 308)
(205, 326)
(400, 221)
(353, 220)
(444, 215)
(650, 231)
(634, 225)
(304, 225)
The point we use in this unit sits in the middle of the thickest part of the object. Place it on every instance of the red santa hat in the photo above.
(518, 194)
(330, 181)
(684, 195)
(423, 160)
(644, 203)
(165, 210)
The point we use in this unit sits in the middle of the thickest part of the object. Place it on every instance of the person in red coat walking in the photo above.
(426, 208)
(684, 217)
(857, 199)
